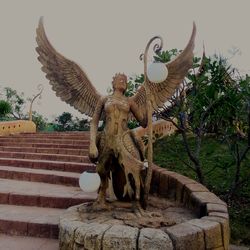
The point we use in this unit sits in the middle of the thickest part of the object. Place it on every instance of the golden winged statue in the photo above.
(117, 153)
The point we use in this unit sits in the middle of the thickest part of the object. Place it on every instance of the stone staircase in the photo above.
(39, 179)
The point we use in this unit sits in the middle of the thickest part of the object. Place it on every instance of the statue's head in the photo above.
(120, 82)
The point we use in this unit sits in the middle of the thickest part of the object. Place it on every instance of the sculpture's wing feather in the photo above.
(68, 80)
(177, 70)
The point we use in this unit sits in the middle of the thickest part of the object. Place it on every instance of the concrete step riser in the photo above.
(40, 201)
(82, 133)
(57, 137)
(46, 150)
(71, 133)
(36, 177)
(43, 145)
(23, 228)
(34, 141)
(65, 152)
(67, 158)
(58, 166)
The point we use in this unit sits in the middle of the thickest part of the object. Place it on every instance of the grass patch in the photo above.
(216, 159)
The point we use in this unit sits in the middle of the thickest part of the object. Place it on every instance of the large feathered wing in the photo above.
(68, 80)
(177, 70)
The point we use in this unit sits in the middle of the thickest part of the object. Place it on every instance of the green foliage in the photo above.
(213, 98)
(40, 121)
(5, 108)
(81, 124)
(16, 101)
(216, 159)
(166, 56)
(134, 84)
(239, 213)
(65, 122)
(214, 156)
(133, 124)
(50, 127)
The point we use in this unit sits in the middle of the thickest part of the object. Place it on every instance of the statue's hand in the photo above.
(93, 153)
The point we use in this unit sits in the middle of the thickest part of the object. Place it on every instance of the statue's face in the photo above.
(120, 82)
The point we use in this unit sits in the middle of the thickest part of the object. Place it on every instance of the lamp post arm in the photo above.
(156, 48)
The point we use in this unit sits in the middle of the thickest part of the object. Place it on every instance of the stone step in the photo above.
(26, 193)
(43, 145)
(45, 140)
(52, 136)
(15, 242)
(69, 133)
(49, 165)
(29, 221)
(43, 156)
(80, 136)
(65, 151)
(40, 175)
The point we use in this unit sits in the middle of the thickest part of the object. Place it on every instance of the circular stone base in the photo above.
(83, 228)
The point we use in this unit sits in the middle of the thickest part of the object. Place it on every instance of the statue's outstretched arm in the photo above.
(93, 151)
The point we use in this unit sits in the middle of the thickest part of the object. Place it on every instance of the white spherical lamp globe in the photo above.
(89, 181)
(157, 72)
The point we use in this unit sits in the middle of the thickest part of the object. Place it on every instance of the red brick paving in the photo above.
(38, 180)
(27, 243)
(77, 167)
(43, 156)
(39, 175)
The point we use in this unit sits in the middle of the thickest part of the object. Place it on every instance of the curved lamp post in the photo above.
(154, 73)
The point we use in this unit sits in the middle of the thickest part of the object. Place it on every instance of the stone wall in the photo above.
(210, 230)
(15, 127)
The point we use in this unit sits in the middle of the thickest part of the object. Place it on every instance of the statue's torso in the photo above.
(116, 110)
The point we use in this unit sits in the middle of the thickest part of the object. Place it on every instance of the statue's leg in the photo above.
(103, 171)
(130, 158)
(103, 187)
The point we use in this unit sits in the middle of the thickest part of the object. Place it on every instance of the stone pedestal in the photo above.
(113, 234)
(191, 218)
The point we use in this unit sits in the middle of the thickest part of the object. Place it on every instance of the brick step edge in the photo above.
(66, 151)
(49, 165)
(37, 175)
(23, 228)
(45, 140)
(42, 201)
(43, 145)
(43, 156)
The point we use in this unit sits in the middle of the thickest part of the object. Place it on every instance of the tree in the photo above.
(81, 124)
(213, 99)
(236, 133)
(16, 101)
(66, 122)
(5, 109)
(40, 121)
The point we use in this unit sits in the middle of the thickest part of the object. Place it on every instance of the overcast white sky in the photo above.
(106, 37)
